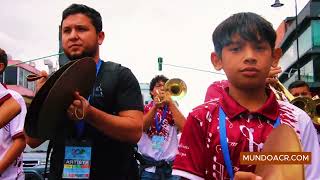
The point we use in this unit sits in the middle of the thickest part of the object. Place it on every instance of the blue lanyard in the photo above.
(80, 124)
(224, 143)
(164, 115)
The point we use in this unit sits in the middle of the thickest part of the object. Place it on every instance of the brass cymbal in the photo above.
(281, 139)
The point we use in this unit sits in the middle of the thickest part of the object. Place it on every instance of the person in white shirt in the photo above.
(9, 108)
(12, 143)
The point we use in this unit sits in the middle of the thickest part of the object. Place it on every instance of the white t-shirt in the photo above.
(166, 150)
(4, 93)
(13, 129)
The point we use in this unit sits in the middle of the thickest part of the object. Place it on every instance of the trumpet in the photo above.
(176, 87)
(310, 105)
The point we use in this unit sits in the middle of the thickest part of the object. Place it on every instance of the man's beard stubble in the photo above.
(86, 53)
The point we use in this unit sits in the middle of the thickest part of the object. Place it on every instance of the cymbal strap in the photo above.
(34, 77)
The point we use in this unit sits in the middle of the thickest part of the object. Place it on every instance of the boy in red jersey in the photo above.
(244, 114)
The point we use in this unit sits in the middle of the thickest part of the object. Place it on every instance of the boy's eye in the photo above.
(260, 47)
(234, 49)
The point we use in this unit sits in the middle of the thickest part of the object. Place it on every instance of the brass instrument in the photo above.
(281, 139)
(309, 105)
(316, 118)
(176, 87)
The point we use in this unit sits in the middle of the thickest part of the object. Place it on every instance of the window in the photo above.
(306, 72)
(290, 56)
(20, 72)
(305, 41)
(11, 75)
(22, 81)
(315, 24)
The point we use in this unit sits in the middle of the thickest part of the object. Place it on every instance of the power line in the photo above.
(193, 69)
(37, 59)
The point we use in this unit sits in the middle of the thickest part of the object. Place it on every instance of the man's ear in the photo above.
(1, 67)
(100, 37)
(277, 53)
(216, 61)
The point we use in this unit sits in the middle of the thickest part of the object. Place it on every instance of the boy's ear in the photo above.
(216, 61)
(277, 53)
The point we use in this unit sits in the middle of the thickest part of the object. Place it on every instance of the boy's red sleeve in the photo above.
(190, 160)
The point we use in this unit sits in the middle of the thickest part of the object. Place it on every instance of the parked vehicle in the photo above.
(34, 161)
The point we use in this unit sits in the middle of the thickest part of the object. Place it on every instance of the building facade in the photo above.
(308, 33)
(145, 93)
(15, 77)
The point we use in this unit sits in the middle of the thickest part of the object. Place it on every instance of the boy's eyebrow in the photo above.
(237, 42)
(240, 42)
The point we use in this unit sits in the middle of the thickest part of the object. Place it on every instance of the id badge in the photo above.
(157, 142)
(77, 160)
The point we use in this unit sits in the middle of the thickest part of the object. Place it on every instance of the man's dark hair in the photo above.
(91, 13)
(3, 59)
(153, 82)
(249, 26)
(298, 83)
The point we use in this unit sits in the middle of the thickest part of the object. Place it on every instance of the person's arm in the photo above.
(241, 175)
(310, 143)
(166, 99)
(148, 117)
(272, 78)
(8, 110)
(178, 117)
(191, 159)
(13, 153)
(125, 127)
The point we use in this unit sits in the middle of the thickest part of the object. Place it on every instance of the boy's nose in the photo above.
(250, 60)
(250, 57)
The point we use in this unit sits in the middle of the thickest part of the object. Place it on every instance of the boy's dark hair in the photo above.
(3, 59)
(249, 26)
(153, 82)
(298, 83)
(91, 13)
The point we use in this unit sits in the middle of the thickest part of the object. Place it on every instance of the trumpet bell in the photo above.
(316, 118)
(176, 87)
(306, 104)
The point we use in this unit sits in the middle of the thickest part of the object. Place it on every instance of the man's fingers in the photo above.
(246, 176)
(77, 103)
(77, 96)
(274, 72)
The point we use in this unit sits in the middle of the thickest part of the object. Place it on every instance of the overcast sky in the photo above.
(137, 33)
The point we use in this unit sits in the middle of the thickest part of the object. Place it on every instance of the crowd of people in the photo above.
(123, 140)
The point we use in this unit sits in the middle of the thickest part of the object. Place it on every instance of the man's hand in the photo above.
(162, 98)
(273, 74)
(40, 82)
(241, 175)
(79, 107)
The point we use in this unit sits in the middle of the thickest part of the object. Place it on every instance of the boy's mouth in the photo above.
(249, 71)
